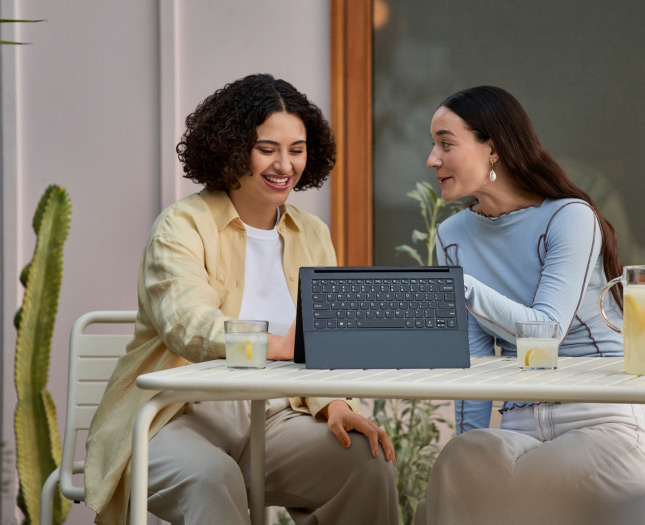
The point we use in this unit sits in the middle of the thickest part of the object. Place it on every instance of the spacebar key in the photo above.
(380, 323)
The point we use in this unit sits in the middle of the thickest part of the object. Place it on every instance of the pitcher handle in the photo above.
(602, 310)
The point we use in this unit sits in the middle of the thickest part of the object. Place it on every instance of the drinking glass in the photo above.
(246, 343)
(537, 344)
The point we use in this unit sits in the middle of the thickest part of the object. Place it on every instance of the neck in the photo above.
(262, 219)
(504, 200)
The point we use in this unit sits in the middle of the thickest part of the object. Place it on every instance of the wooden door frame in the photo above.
(351, 118)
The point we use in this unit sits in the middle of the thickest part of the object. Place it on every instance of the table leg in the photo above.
(258, 425)
(139, 462)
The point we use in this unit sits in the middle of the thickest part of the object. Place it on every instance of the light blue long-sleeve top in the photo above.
(538, 263)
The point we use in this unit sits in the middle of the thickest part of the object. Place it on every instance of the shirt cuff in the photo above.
(313, 405)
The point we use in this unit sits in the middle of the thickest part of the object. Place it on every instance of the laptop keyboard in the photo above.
(384, 303)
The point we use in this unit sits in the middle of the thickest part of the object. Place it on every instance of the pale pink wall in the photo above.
(82, 107)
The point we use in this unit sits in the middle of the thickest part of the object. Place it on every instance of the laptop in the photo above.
(381, 317)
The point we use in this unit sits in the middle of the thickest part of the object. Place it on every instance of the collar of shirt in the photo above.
(224, 213)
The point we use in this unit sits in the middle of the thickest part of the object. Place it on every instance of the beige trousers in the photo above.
(199, 470)
(564, 464)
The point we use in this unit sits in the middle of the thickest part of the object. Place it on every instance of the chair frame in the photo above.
(88, 374)
(87, 380)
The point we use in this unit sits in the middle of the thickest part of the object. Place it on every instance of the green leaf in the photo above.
(419, 236)
(11, 20)
(416, 195)
(404, 248)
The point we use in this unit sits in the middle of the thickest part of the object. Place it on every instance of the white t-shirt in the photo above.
(266, 294)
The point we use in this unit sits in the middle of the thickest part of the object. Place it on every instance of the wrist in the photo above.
(338, 405)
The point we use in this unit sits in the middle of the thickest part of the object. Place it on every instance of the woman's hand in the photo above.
(281, 348)
(341, 418)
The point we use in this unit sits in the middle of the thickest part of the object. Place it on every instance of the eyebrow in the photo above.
(274, 143)
(442, 132)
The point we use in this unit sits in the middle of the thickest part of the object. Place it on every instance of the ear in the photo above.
(493, 157)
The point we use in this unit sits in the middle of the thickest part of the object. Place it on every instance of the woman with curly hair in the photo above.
(231, 251)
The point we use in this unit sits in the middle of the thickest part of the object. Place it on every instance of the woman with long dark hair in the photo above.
(533, 247)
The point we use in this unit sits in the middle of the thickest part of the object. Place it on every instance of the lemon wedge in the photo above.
(537, 357)
(249, 350)
(634, 317)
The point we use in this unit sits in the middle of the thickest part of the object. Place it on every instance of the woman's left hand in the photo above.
(341, 419)
(281, 348)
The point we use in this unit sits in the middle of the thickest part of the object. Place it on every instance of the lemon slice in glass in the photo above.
(249, 350)
(537, 357)
(634, 317)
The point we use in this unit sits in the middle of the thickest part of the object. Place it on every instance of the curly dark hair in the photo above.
(215, 149)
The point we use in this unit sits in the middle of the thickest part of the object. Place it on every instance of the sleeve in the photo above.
(472, 414)
(181, 303)
(571, 245)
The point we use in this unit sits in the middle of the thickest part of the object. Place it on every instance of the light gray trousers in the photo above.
(199, 470)
(561, 464)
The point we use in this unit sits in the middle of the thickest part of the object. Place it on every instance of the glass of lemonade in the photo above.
(633, 331)
(246, 343)
(537, 344)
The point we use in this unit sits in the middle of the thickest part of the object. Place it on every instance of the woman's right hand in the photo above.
(281, 348)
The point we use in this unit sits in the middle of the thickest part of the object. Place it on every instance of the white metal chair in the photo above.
(92, 359)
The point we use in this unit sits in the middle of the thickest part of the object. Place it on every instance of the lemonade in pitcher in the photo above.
(634, 328)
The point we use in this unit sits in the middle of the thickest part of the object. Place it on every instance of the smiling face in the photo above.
(462, 163)
(278, 158)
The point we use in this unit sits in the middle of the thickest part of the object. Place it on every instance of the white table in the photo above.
(601, 380)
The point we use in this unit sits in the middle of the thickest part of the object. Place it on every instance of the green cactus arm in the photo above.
(40, 302)
(37, 442)
(33, 450)
(61, 504)
(42, 206)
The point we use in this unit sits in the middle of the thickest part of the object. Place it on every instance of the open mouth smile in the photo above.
(278, 182)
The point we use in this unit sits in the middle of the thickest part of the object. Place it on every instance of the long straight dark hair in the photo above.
(492, 113)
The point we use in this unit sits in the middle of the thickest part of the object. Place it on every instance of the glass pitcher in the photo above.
(633, 331)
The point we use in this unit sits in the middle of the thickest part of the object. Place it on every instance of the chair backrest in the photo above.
(92, 359)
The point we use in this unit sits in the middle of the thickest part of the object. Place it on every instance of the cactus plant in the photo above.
(38, 447)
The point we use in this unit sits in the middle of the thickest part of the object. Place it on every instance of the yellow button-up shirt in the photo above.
(191, 280)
